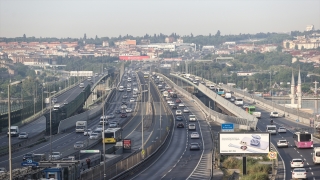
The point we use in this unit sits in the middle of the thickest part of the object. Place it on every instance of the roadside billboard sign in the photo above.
(81, 73)
(244, 143)
(227, 127)
(127, 144)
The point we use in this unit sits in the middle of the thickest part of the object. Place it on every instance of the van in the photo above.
(14, 131)
(211, 86)
(121, 88)
(316, 155)
(227, 95)
(272, 129)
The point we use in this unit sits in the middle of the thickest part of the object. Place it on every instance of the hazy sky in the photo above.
(73, 18)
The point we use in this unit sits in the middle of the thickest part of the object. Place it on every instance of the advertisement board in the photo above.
(81, 73)
(127, 144)
(244, 143)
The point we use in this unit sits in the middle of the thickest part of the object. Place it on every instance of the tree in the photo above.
(96, 37)
(84, 36)
(287, 45)
(24, 36)
(218, 33)
(279, 49)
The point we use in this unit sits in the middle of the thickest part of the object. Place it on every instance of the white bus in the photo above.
(238, 101)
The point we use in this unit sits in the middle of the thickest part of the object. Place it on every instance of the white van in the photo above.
(227, 95)
(238, 102)
(272, 129)
(14, 131)
(316, 155)
(211, 86)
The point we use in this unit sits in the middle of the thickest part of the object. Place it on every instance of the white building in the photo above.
(310, 27)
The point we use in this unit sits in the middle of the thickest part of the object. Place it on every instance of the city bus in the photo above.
(303, 140)
(112, 135)
(251, 109)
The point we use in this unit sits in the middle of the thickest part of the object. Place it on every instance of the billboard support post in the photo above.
(244, 164)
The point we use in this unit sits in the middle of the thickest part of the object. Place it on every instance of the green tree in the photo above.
(85, 36)
(296, 47)
(218, 33)
(279, 48)
(287, 45)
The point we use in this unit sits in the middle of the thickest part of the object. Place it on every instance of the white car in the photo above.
(172, 104)
(134, 95)
(245, 106)
(110, 116)
(23, 135)
(178, 112)
(297, 163)
(274, 114)
(181, 105)
(169, 102)
(132, 100)
(186, 110)
(55, 156)
(128, 110)
(282, 143)
(299, 173)
(194, 135)
(192, 117)
(282, 129)
(192, 127)
(87, 132)
(113, 125)
(94, 136)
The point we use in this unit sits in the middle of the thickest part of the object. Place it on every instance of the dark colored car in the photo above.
(123, 115)
(174, 107)
(178, 101)
(194, 147)
(117, 111)
(180, 125)
(27, 156)
(174, 96)
(179, 118)
(124, 102)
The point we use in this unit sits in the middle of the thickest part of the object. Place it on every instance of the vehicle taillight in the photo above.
(292, 173)
(305, 173)
(302, 162)
(291, 162)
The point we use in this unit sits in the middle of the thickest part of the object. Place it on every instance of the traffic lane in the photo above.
(292, 152)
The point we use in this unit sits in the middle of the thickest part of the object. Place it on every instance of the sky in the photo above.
(73, 18)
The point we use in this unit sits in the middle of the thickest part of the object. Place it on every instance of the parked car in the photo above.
(23, 135)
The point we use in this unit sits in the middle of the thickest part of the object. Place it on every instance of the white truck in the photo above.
(55, 156)
(228, 95)
(81, 126)
(316, 155)
(14, 131)
(257, 114)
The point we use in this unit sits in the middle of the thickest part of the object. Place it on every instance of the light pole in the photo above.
(9, 125)
(50, 103)
(104, 145)
(271, 92)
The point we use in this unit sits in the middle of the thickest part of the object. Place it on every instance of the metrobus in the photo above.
(220, 91)
(112, 135)
(251, 109)
(303, 140)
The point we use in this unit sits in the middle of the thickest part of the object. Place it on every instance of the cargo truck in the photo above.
(81, 126)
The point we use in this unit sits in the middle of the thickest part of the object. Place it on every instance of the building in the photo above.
(310, 27)
(169, 40)
(105, 44)
(139, 58)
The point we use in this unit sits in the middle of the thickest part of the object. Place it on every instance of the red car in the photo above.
(123, 115)
(178, 101)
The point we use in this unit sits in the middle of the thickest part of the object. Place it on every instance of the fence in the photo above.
(129, 164)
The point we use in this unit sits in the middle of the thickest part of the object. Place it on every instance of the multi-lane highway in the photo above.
(177, 157)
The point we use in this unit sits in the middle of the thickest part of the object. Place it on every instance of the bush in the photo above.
(256, 176)
(262, 168)
(232, 163)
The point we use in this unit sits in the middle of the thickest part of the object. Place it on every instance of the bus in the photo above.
(251, 109)
(220, 92)
(112, 135)
(303, 140)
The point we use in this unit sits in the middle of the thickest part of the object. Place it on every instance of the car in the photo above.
(125, 96)
(110, 116)
(174, 107)
(232, 99)
(179, 118)
(123, 115)
(79, 145)
(94, 135)
(178, 101)
(27, 156)
(168, 98)
(134, 95)
(123, 106)
(297, 163)
(282, 129)
(178, 112)
(132, 100)
(23, 135)
(194, 135)
(55, 156)
(245, 106)
(180, 125)
(65, 102)
(274, 114)
(299, 173)
(192, 126)
(113, 124)
(194, 147)
(181, 105)
(128, 110)
(282, 143)
(99, 128)
(186, 110)
(117, 111)
(87, 132)
(134, 84)
(170, 102)
(192, 117)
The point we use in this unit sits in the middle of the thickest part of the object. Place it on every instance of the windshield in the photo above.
(305, 137)
(80, 127)
(55, 153)
(238, 99)
(108, 135)
(271, 128)
(192, 116)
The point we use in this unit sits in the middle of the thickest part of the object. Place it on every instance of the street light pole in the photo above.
(104, 145)
(9, 126)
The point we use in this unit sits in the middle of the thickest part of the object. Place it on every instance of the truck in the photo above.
(257, 114)
(14, 131)
(81, 126)
(55, 156)
(228, 95)
(316, 155)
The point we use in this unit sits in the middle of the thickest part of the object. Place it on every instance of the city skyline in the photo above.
(110, 18)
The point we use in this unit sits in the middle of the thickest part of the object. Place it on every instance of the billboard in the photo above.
(81, 73)
(244, 143)
(127, 144)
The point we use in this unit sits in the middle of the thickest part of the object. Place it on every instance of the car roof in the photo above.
(194, 143)
(79, 142)
(299, 169)
(296, 159)
(194, 133)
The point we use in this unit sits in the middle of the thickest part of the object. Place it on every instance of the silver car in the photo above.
(94, 136)
(113, 124)
(23, 135)
(79, 145)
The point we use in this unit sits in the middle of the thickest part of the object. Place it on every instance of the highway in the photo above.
(177, 158)
(37, 126)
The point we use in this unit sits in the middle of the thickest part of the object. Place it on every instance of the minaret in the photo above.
(299, 93)
(292, 95)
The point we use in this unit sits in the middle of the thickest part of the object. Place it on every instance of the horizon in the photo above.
(63, 19)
